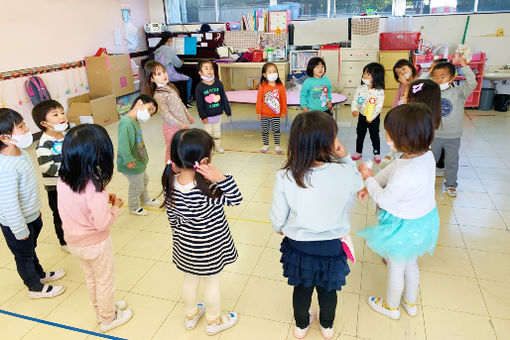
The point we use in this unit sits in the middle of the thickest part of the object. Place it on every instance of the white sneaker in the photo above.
(410, 308)
(327, 333)
(121, 304)
(220, 149)
(300, 333)
(46, 292)
(191, 323)
(153, 201)
(121, 317)
(278, 149)
(226, 321)
(65, 248)
(53, 276)
(264, 149)
(379, 305)
(139, 212)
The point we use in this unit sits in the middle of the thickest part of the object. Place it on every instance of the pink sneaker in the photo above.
(377, 159)
(356, 156)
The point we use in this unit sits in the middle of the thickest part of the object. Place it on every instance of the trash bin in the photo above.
(486, 99)
(501, 102)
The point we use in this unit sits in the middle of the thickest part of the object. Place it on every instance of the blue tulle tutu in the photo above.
(314, 263)
(402, 239)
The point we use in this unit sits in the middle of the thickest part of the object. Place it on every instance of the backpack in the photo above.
(36, 90)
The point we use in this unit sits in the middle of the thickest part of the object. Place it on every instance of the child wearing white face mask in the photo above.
(132, 155)
(20, 204)
(49, 116)
(367, 104)
(211, 102)
(271, 105)
(404, 73)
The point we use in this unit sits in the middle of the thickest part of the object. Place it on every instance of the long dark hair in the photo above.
(87, 155)
(149, 69)
(312, 63)
(188, 146)
(165, 36)
(376, 70)
(312, 137)
(401, 63)
(264, 70)
(429, 93)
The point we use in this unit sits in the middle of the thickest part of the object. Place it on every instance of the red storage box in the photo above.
(400, 41)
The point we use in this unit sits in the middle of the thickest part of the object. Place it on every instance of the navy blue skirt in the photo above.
(314, 263)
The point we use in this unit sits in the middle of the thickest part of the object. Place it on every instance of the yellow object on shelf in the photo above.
(500, 32)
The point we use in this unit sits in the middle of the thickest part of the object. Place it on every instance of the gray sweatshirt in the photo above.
(452, 106)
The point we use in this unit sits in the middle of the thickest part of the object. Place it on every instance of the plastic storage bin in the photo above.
(400, 41)
(486, 99)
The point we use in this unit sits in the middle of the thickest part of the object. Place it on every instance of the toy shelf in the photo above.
(477, 64)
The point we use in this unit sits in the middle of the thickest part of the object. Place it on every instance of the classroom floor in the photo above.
(465, 286)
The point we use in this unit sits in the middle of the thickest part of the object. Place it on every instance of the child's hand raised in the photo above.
(365, 171)
(363, 194)
(459, 59)
(209, 171)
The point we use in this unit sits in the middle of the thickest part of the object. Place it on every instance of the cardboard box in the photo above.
(109, 74)
(92, 109)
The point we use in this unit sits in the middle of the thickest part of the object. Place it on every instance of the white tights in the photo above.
(400, 275)
(211, 292)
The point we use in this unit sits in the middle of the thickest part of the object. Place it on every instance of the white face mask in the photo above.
(58, 127)
(272, 76)
(391, 145)
(160, 85)
(143, 115)
(366, 81)
(444, 86)
(408, 75)
(207, 78)
(22, 141)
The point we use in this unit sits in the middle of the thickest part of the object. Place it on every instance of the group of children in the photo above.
(310, 196)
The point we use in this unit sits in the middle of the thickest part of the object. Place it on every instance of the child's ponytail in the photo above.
(167, 181)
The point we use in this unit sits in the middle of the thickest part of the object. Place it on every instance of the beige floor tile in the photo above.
(451, 292)
(247, 191)
(359, 247)
(486, 239)
(10, 284)
(147, 245)
(475, 217)
(491, 266)
(15, 328)
(450, 236)
(149, 313)
(232, 285)
(256, 211)
(480, 200)
(353, 280)
(358, 221)
(122, 236)
(501, 201)
(279, 294)
(448, 260)
(497, 298)
(163, 280)
(496, 186)
(252, 328)
(454, 325)
(253, 233)
(247, 259)
(373, 279)
(269, 265)
(6, 256)
(264, 195)
(502, 327)
(43, 331)
(275, 241)
(129, 270)
(369, 256)
(372, 325)
(446, 214)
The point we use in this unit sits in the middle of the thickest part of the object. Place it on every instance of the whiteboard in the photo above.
(320, 31)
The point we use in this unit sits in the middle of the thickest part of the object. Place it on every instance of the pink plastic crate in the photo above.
(400, 41)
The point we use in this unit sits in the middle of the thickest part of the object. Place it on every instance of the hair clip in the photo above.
(195, 165)
(168, 162)
(417, 87)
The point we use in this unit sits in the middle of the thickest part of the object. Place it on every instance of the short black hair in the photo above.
(146, 99)
(203, 62)
(264, 70)
(401, 63)
(312, 63)
(376, 70)
(446, 65)
(87, 155)
(8, 121)
(410, 127)
(40, 111)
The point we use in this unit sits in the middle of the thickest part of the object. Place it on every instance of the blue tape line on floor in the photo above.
(60, 325)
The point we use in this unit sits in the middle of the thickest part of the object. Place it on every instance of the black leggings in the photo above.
(373, 129)
(440, 162)
(302, 298)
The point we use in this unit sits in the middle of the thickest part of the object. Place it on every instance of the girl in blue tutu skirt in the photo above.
(408, 218)
(310, 197)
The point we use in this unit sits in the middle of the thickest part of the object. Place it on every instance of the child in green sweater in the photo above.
(316, 92)
(132, 155)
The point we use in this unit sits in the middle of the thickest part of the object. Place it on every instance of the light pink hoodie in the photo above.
(87, 216)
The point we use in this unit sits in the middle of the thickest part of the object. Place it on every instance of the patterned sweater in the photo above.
(271, 100)
(172, 109)
(49, 157)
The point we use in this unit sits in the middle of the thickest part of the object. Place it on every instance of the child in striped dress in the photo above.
(195, 192)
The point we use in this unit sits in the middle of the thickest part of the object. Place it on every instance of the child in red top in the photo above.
(271, 105)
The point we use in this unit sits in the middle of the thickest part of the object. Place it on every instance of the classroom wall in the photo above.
(55, 31)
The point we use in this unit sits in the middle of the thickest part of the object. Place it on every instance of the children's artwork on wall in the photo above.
(278, 21)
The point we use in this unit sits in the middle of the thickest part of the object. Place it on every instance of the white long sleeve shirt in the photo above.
(362, 96)
(405, 188)
(318, 212)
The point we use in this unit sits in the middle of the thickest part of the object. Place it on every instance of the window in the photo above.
(232, 10)
(355, 7)
(493, 5)
(184, 11)
(439, 6)
(309, 9)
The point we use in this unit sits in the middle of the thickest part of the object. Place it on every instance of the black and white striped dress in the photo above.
(202, 243)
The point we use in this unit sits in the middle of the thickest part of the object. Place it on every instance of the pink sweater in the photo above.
(87, 216)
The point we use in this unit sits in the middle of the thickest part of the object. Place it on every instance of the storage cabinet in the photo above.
(477, 64)
(331, 56)
(299, 59)
(388, 59)
(352, 61)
